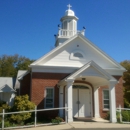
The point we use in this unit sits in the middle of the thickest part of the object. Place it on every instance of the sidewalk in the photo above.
(80, 125)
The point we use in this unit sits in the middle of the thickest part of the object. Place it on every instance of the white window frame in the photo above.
(46, 98)
(72, 57)
(105, 99)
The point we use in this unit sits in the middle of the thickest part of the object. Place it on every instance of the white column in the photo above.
(96, 102)
(61, 100)
(69, 100)
(112, 101)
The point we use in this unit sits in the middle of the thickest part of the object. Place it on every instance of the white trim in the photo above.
(45, 96)
(70, 69)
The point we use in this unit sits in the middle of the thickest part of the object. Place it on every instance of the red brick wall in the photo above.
(39, 83)
(119, 96)
(42, 80)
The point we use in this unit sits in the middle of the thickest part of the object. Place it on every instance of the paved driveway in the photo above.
(84, 126)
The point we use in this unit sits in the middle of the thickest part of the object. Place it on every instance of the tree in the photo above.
(9, 65)
(126, 77)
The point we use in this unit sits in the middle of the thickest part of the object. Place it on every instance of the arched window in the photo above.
(77, 55)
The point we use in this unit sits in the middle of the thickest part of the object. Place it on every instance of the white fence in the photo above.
(120, 113)
(35, 117)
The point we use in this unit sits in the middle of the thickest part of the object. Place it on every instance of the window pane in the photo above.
(78, 55)
(49, 100)
(49, 93)
(106, 106)
(49, 105)
(106, 94)
(106, 102)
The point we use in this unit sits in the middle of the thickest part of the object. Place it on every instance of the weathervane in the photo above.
(69, 6)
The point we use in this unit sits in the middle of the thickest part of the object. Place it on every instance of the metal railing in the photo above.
(120, 110)
(35, 117)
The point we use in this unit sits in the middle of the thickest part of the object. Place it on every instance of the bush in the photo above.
(2, 102)
(4, 106)
(6, 124)
(57, 120)
(125, 116)
(22, 103)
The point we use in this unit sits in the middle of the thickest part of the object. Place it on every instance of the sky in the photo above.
(27, 27)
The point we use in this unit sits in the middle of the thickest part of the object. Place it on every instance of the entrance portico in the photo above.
(81, 95)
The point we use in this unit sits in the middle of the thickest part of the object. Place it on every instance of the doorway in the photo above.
(81, 101)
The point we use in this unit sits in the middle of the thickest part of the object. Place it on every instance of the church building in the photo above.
(75, 73)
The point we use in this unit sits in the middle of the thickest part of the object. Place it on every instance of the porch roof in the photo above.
(90, 69)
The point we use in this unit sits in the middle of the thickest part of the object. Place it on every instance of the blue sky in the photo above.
(27, 27)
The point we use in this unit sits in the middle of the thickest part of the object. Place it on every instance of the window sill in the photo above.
(105, 109)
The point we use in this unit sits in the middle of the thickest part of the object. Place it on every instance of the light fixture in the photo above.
(83, 79)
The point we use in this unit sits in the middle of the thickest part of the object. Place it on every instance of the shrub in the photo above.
(22, 103)
(57, 120)
(6, 124)
(125, 116)
(2, 102)
(4, 106)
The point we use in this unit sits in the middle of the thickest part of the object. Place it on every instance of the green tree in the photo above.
(126, 77)
(22, 103)
(9, 65)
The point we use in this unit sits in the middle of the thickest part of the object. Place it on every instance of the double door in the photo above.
(81, 102)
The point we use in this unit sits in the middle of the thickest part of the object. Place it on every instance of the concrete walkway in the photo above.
(82, 125)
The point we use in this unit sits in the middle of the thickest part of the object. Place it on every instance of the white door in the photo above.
(81, 103)
(75, 103)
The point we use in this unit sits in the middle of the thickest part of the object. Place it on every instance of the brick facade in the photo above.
(39, 83)
(42, 80)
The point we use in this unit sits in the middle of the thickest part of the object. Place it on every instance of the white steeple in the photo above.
(68, 26)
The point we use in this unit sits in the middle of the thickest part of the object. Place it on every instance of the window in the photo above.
(49, 99)
(106, 99)
(77, 55)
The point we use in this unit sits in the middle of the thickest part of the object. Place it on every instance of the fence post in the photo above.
(35, 116)
(3, 119)
(120, 113)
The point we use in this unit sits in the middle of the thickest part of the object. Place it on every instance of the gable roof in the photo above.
(95, 66)
(49, 55)
(6, 84)
(6, 88)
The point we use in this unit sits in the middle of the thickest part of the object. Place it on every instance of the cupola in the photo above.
(68, 27)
